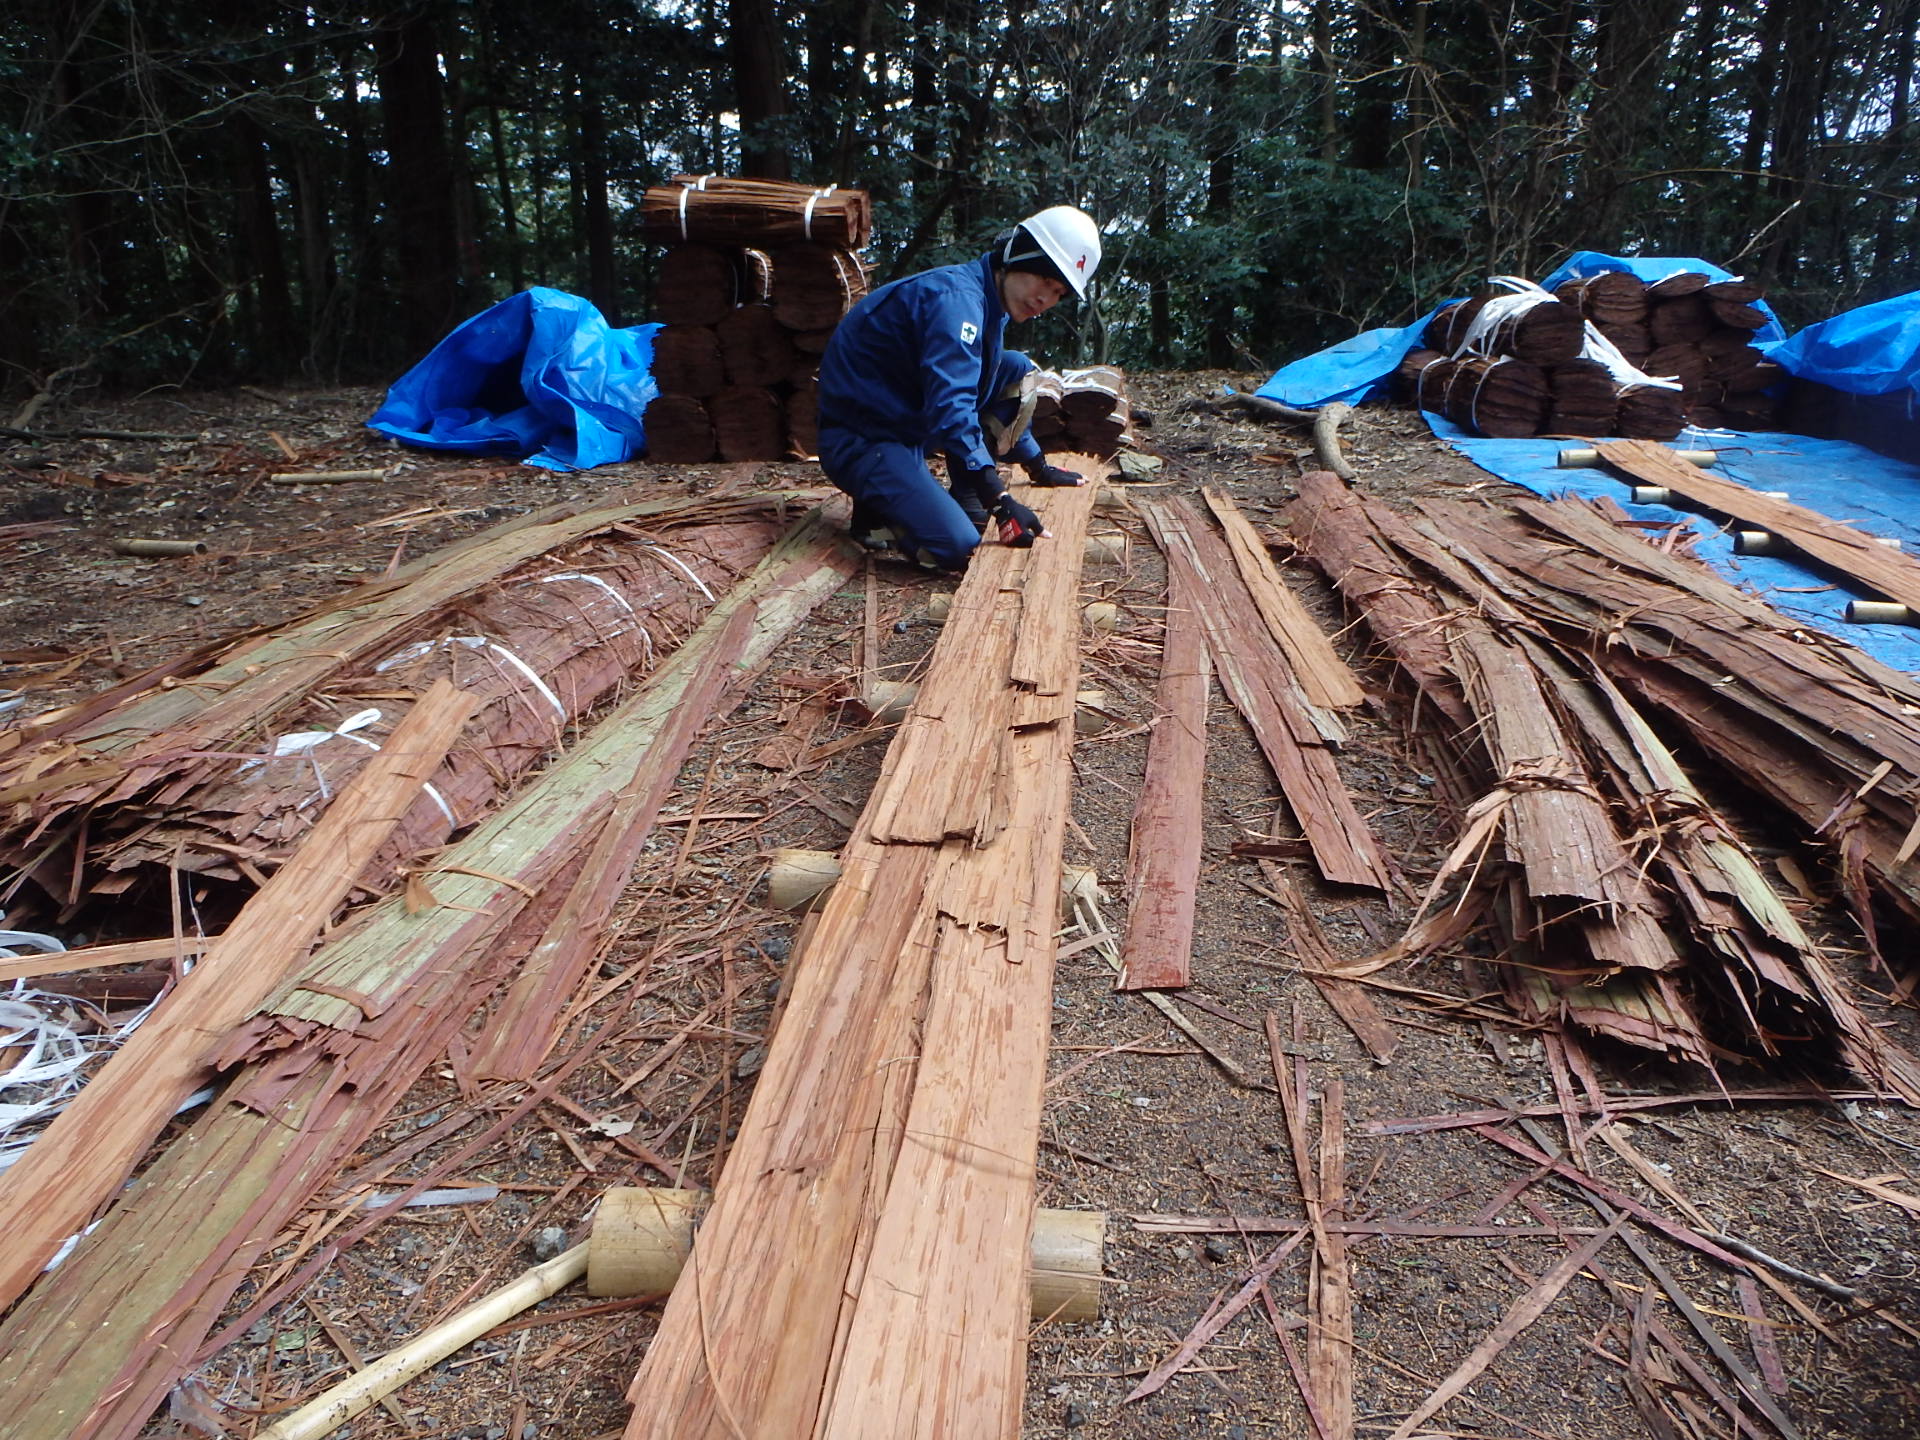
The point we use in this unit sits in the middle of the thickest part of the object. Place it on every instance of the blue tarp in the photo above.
(1874, 350)
(1846, 482)
(539, 375)
(1352, 371)
(1358, 369)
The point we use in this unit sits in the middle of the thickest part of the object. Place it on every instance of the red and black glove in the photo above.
(1019, 526)
(1040, 472)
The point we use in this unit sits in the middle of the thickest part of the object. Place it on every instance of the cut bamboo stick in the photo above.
(363, 1390)
(93, 1144)
(324, 477)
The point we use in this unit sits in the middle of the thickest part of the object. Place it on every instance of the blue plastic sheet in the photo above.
(1874, 350)
(1352, 371)
(1879, 495)
(540, 375)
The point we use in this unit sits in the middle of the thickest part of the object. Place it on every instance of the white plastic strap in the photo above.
(686, 189)
(305, 742)
(1623, 370)
(617, 597)
(813, 200)
(682, 566)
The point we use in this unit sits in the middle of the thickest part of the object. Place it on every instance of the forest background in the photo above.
(261, 191)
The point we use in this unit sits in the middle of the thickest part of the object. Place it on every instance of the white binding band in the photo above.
(806, 221)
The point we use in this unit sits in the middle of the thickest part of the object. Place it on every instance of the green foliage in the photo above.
(192, 192)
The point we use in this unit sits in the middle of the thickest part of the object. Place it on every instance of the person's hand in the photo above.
(1019, 526)
(1040, 472)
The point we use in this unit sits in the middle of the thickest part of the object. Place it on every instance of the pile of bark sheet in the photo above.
(221, 763)
(320, 1020)
(1085, 411)
(1573, 678)
(756, 275)
(1607, 355)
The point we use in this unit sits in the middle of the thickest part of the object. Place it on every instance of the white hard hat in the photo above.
(1064, 235)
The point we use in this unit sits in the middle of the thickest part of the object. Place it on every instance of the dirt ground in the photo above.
(1140, 1120)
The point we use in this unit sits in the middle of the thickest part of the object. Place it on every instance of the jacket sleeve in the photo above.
(952, 346)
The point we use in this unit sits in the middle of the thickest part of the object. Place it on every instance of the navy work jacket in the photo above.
(915, 362)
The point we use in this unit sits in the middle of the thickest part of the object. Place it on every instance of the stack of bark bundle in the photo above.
(1691, 328)
(1086, 411)
(1533, 370)
(1550, 642)
(756, 275)
(1528, 373)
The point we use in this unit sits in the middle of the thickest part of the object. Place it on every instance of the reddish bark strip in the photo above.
(1163, 858)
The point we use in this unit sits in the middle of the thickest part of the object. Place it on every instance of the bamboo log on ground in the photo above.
(841, 1243)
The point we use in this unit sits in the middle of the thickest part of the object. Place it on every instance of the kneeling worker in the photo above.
(912, 367)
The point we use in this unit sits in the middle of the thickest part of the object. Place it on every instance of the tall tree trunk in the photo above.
(1624, 116)
(602, 282)
(1327, 68)
(420, 200)
(859, 99)
(759, 84)
(1159, 289)
(929, 29)
(1222, 144)
(264, 261)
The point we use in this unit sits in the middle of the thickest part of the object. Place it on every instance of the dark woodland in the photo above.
(256, 191)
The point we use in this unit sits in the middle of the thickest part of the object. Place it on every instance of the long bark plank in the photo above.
(1257, 679)
(1839, 547)
(1324, 676)
(873, 1114)
(1164, 849)
(93, 1145)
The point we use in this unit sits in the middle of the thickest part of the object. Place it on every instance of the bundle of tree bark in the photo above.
(1086, 411)
(1528, 372)
(1691, 328)
(757, 275)
(1561, 652)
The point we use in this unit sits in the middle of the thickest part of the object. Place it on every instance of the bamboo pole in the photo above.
(138, 545)
(323, 477)
(366, 1389)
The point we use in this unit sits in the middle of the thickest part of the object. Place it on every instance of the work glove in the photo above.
(1019, 526)
(984, 482)
(1042, 473)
